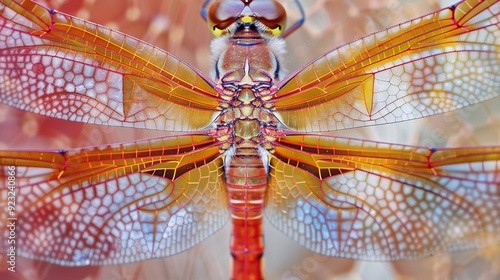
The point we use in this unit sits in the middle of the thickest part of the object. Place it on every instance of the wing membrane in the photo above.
(375, 201)
(116, 204)
(430, 65)
(61, 66)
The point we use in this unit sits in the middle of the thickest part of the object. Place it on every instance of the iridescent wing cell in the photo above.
(61, 66)
(374, 201)
(116, 204)
(430, 65)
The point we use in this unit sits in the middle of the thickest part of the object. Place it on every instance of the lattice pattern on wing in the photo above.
(430, 65)
(376, 201)
(61, 66)
(116, 204)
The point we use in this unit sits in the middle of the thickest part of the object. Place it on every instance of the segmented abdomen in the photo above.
(246, 182)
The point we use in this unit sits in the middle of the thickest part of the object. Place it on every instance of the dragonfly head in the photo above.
(226, 16)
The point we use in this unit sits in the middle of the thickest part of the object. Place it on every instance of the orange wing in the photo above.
(115, 204)
(57, 65)
(375, 201)
(430, 65)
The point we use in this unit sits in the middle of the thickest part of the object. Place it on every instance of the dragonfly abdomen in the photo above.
(246, 177)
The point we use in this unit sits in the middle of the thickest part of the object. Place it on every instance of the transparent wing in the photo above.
(430, 65)
(114, 204)
(375, 201)
(57, 65)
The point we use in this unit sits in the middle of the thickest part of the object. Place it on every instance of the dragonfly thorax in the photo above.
(246, 69)
(247, 119)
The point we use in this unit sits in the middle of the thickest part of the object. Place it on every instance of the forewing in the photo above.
(114, 204)
(57, 65)
(430, 65)
(374, 201)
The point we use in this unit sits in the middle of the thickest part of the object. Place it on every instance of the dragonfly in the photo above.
(249, 140)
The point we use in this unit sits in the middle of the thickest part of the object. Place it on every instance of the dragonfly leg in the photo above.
(298, 23)
(203, 10)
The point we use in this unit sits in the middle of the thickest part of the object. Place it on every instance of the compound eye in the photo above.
(222, 14)
(270, 13)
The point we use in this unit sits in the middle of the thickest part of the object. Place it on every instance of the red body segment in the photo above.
(246, 185)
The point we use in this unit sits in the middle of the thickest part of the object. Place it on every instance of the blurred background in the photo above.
(177, 27)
